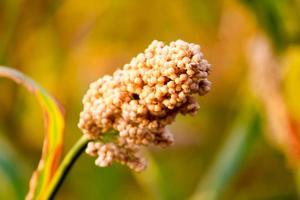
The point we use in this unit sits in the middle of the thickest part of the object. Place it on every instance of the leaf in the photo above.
(12, 185)
(150, 179)
(231, 155)
(279, 19)
(291, 63)
(53, 140)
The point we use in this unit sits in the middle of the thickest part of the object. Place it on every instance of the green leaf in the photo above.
(231, 155)
(12, 184)
(279, 19)
(150, 180)
(53, 141)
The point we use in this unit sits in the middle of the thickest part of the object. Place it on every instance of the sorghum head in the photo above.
(141, 99)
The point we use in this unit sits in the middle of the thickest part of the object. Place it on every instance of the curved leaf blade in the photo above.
(53, 140)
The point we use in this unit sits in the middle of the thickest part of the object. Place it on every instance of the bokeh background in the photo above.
(244, 142)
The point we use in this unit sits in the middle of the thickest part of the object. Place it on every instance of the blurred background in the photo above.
(244, 142)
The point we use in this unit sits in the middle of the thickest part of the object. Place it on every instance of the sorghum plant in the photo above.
(123, 112)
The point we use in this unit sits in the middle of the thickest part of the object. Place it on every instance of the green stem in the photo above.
(65, 167)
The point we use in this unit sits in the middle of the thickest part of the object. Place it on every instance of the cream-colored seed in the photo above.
(161, 79)
(171, 84)
(173, 76)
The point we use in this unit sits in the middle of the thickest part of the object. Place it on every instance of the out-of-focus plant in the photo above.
(232, 153)
(268, 66)
(279, 19)
(291, 63)
(283, 126)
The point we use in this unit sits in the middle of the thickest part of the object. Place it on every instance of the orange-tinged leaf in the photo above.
(291, 63)
(53, 140)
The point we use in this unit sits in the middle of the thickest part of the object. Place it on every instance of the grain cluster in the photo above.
(141, 99)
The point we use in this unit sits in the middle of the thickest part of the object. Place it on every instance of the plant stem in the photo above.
(65, 167)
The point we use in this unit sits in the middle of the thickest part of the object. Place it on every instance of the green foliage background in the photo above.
(226, 148)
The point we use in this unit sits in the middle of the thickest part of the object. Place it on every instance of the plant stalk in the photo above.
(65, 167)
